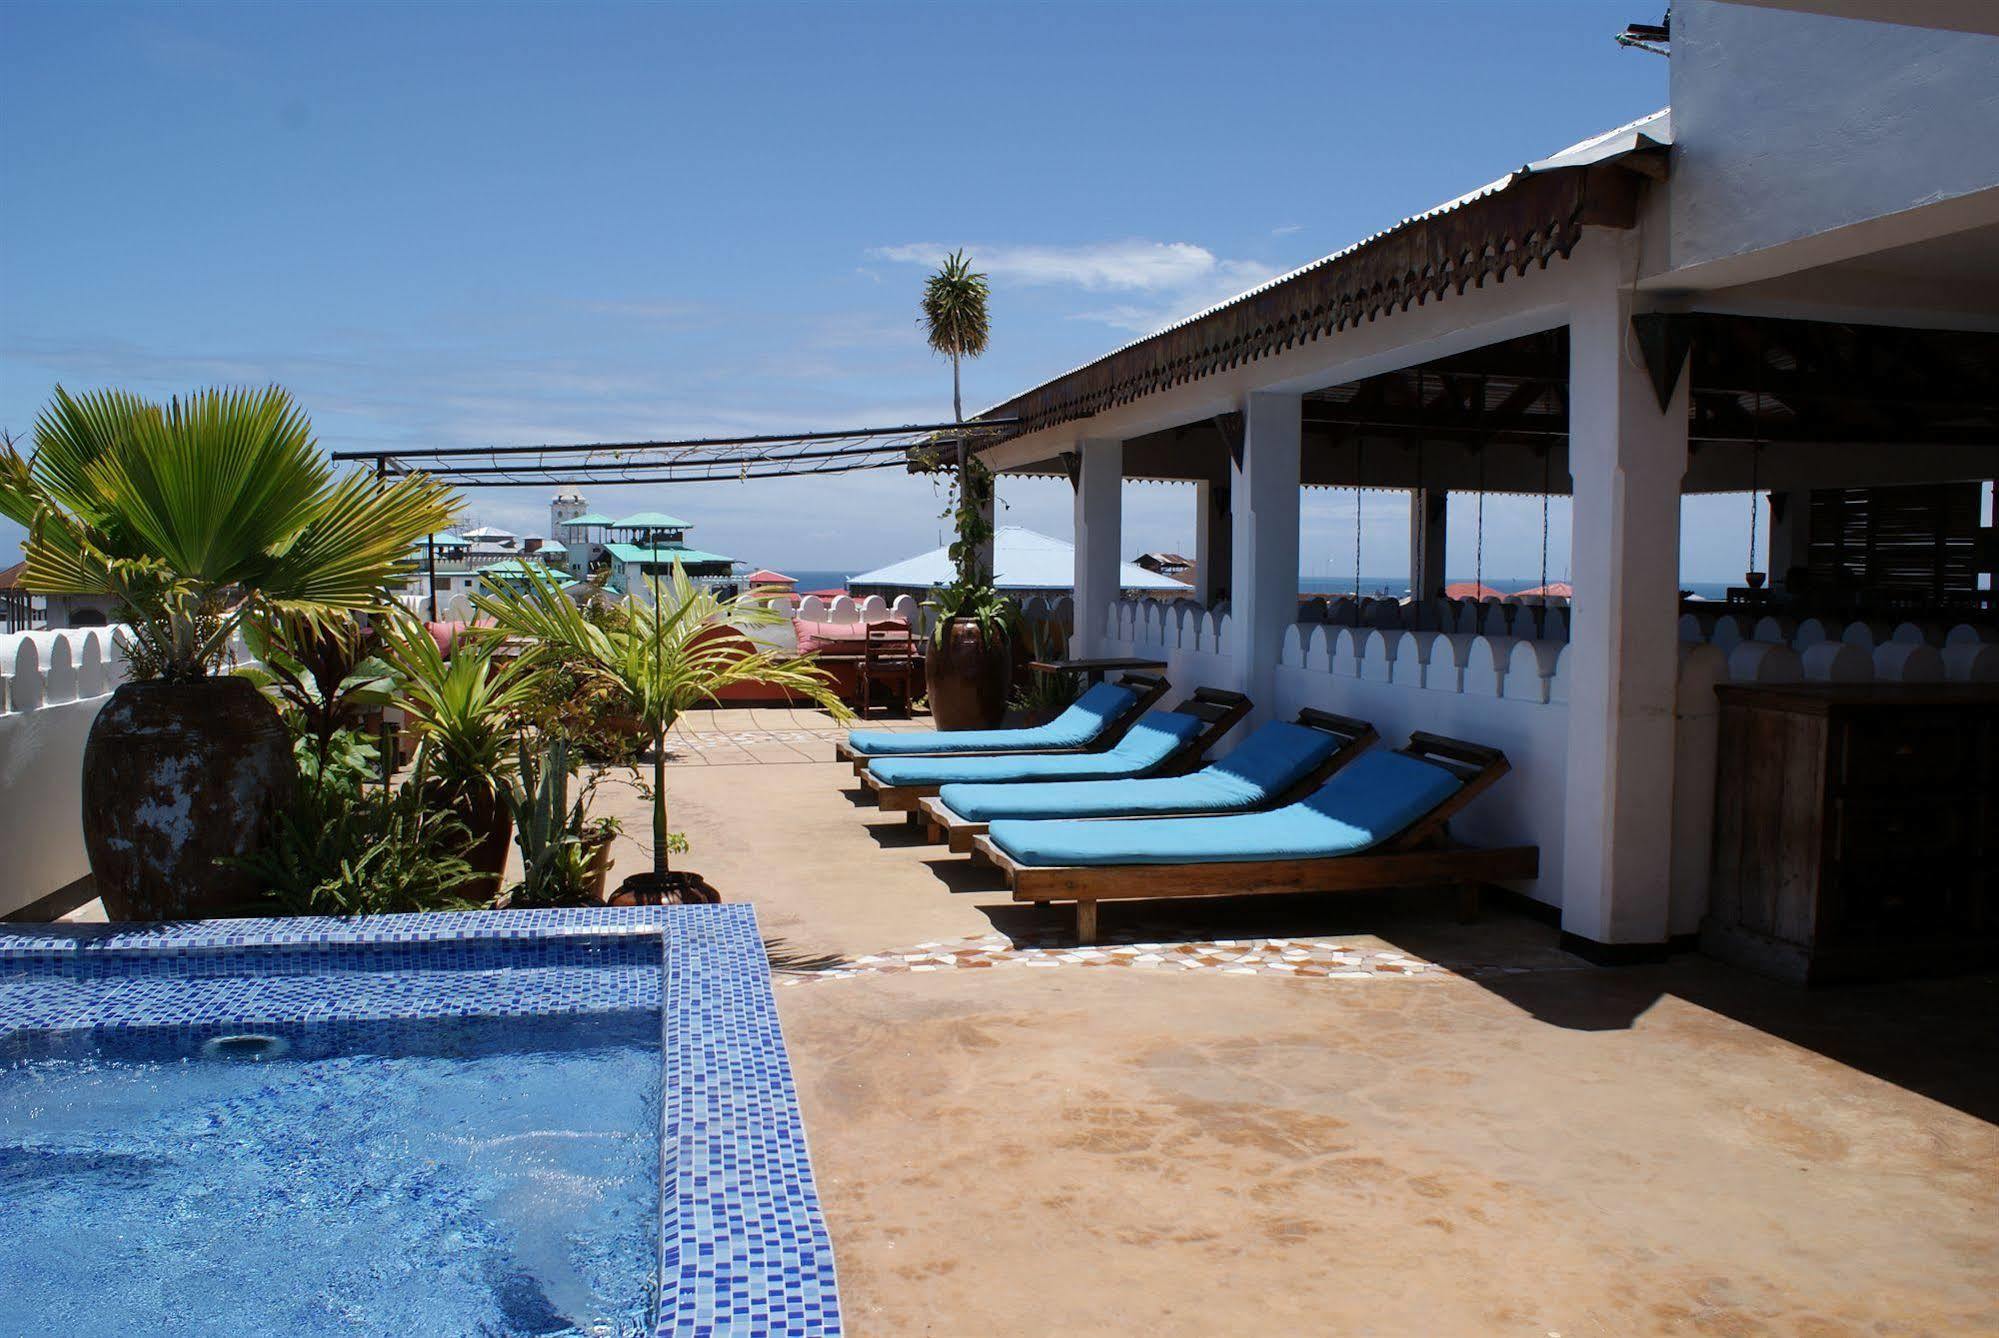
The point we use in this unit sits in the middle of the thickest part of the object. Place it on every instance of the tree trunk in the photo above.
(660, 863)
(966, 560)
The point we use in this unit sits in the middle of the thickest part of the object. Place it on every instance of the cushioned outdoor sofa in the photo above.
(1379, 822)
(1093, 722)
(1277, 764)
(1161, 743)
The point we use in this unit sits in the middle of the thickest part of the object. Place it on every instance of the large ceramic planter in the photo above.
(676, 888)
(177, 779)
(486, 816)
(967, 677)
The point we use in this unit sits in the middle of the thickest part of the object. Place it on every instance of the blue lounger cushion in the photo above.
(1269, 762)
(1366, 802)
(1152, 741)
(1089, 716)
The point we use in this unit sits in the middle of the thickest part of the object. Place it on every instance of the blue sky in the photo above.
(451, 224)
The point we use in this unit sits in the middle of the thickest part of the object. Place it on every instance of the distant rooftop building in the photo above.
(650, 520)
(587, 518)
(1024, 562)
(763, 576)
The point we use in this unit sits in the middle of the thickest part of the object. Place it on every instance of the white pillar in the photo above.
(1627, 459)
(1099, 538)
(1212, 543)
(1790, 535)
(1263, 600)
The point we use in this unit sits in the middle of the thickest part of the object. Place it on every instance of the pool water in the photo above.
(460, 1177)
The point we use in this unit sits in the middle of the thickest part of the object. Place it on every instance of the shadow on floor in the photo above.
(785, 958)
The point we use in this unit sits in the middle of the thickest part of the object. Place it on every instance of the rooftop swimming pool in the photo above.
(547, 1123)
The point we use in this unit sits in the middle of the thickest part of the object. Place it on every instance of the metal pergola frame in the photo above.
(694, 460)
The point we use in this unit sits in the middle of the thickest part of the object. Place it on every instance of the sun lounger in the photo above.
(1378, 823)
(1094, 722)
(1277, 764)
(1162, 742)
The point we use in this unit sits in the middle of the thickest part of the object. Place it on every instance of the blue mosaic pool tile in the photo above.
(744, 1249)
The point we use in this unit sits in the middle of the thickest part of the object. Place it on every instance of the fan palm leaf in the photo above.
(221, 497)
(659, 660)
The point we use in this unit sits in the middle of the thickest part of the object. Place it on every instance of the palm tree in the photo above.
(658, 661)
(956, 324)
(204, 513)
(201, 516)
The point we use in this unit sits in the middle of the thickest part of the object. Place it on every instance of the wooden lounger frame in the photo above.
(1149, 687)
(1218, 709)
(1355, 737)
(1420, 855)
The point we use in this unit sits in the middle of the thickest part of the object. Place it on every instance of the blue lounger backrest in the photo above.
(1089, 716)
(1277, 757)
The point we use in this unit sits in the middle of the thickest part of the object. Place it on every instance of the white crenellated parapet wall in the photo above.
(1511, 692)
(1777, 649)
(52, 685)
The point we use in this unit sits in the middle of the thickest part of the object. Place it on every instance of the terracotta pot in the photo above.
(967, 678)
(665, 889)
(176, 778)
(485, 814)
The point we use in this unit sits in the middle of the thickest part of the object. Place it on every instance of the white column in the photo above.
(1212, 543)
(1627, 459)
(1263, 599)
(1790, 535)
(1099, 539)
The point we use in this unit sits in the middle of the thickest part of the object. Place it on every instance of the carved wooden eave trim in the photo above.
(1530, 220)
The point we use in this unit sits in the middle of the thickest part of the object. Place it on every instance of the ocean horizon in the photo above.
(1396, 586)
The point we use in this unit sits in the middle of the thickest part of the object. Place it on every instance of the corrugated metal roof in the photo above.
(1648, 132)
(1022, 560)
(650, 520)
(634, 553)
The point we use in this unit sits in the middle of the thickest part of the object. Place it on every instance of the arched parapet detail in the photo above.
(1837, 662)
(1346, 645)
(91, 680)
(1485, 666)
(1555, 623)
(1908, 662)
(1293, 651)
(1033, 609)
(1701, 667)
(1315, 610)
(1449, 654)
(907, 610)
(1691, 631)
(1529, 666)
(873, 609)
(1183, 625)
(1776, 628)
(1810, 632)
(843, 610)
(1319, 649)
(1917, 634)
(812, 609)
(1728, 633)
(1469, 619)
(1377, 655)
(1971, 662)
(1763, 662)
(1496, 620)
(1863, 634)
(1558, 682)
(1063, 610)
(59, 678)
(1412, 658)
(1967, 634)
(1217, 640)
(24, 678)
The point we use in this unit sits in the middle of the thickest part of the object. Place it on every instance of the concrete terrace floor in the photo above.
(1329, 1115)
(1492, 1138)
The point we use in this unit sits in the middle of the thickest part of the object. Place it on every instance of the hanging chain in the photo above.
(1478, 550)
(1755, 459)
(1419, 575)
(1547, 454)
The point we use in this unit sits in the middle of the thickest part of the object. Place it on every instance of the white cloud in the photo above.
(1176, 279)
(1286, 229)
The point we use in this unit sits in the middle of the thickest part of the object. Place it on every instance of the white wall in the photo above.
(1789, 125)
(52, 685)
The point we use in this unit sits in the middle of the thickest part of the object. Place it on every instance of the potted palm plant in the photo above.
(202, 516)
(970, 664)
(657, 660)
(464, 712)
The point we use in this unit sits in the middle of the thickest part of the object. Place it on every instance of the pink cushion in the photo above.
(830, 638)
(446, 634)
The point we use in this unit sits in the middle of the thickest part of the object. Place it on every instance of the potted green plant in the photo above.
(969, 666)
(202, 516)
(464, 713)
(668, 654)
